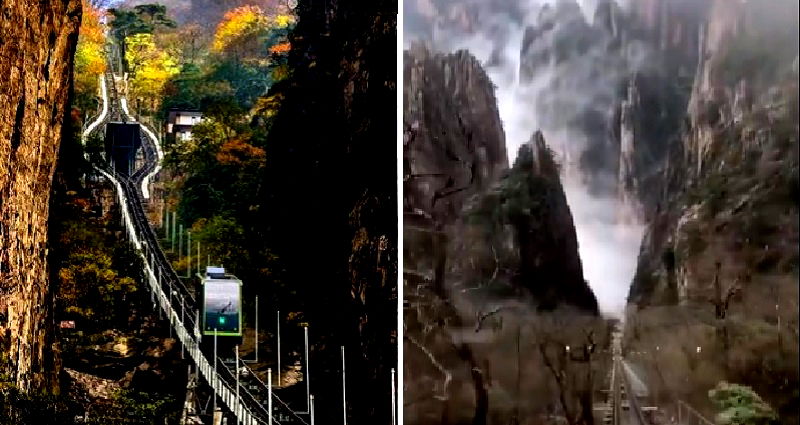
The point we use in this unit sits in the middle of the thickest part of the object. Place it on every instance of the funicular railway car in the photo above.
(221, 307)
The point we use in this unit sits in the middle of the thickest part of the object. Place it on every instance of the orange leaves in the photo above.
(91, 29)
(239, 152)
(237, 24)
(249, 31)
(281, 48)
(90, 60)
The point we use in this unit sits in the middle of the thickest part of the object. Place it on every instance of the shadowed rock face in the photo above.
(525, 221)
(453, 140)
(479, 237)
(611, 85)
(716, 201)
(471, 222)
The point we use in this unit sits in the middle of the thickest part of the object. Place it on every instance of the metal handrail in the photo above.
(693, 412)
(250, 412)
(274, 396)
(631, 395)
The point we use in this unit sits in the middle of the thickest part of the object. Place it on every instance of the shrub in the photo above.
(740, 405)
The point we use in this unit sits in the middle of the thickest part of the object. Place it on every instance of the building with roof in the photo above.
(180, 123)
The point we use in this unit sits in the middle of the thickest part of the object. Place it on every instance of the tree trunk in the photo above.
(37, 44)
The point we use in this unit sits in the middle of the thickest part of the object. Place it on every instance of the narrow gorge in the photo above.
(673, 132)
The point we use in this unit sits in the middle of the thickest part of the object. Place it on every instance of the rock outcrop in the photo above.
(478, 236)
(721, 242)
(613, 88)
(496, 226)
(736, 123)
(453, 139)
(523, 226)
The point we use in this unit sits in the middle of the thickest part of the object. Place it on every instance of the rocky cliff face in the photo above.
(453, 140)
(738, 120)
(39, 40)
(457, 184)
(613, 88)
(721, 244)
(522, 228)
(480, 237)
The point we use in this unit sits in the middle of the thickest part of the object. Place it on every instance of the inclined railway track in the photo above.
(168, 291)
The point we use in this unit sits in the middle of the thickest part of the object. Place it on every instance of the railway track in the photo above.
(623, 404)
(167, 289)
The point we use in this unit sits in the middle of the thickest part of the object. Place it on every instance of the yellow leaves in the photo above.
(280, 72)
(237, 24)
(89, 273)
(268, 106)
(139, 48)
(90, 60)
(283, 21)
(249, 28)
(150, 66)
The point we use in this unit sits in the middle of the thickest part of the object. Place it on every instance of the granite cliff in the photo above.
(483, 243)
(497, 226)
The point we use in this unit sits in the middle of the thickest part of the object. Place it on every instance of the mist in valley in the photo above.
(554, 98)
(675, 130)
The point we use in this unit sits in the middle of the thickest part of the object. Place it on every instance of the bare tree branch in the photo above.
(447, 375)
(560, 376)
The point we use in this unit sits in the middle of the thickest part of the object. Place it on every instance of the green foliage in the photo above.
(522, 196)
(185, 89)
(95, 146)
(247, 81)
(222, 167)
(144, 18)
(153, 15)
(127, 23)
(225, 239)
(249, 52)
(740, 405)
(141, 408)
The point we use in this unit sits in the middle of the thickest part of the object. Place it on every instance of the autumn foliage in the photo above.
(247, 31)
(150, 66)
(238, 24)
(239, 152)
(90, 60)
(281, 48)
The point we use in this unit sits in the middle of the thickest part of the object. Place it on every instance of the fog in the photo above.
(553, 99)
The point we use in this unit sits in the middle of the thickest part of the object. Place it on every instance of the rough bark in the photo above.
(37, 44)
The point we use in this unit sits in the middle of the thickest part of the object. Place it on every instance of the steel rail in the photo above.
(165, 285)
